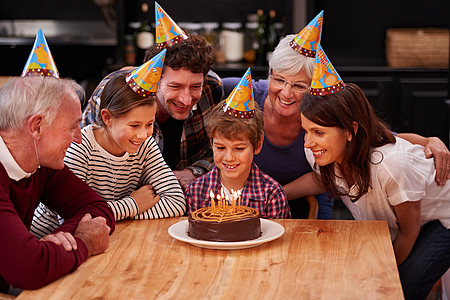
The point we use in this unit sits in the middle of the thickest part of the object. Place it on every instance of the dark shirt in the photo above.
(171, 131)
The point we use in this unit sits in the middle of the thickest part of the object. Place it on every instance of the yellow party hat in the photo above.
(167, 31)
(325, 79)
(144, 80)
(306, 41)
(240, 103)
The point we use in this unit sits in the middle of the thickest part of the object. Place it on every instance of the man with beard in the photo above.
(187, 91)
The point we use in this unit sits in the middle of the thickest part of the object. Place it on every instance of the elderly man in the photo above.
(187, 91)
(39, 120)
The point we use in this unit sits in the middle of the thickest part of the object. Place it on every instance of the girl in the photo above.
(120, 160)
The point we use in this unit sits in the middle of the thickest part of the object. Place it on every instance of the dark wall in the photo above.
(49, 9)
(78, 61)
(220, 10)
(354, 31)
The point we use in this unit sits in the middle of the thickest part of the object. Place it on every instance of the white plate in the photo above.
(270, 231)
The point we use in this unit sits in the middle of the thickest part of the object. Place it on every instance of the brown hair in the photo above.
(118, 97)
(233, 128)
(193, 54)
(340, 110)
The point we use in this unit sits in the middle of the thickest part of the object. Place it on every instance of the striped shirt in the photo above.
(195, 148)
(115, 178)
(260, 192)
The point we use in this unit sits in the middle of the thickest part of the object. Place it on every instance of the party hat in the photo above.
(240, 103)
(306, 41)
(40, 61)
(167, 31)
(325, 80)
(144, 80)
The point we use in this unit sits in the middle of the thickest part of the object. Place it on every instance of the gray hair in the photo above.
(21, 98)
(288, 61)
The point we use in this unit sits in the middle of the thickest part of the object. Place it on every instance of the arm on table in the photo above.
(170, 198)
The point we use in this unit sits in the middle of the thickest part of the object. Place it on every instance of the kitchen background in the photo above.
(89, 38)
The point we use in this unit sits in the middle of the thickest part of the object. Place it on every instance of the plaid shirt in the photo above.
(195, 148)
(260, 191)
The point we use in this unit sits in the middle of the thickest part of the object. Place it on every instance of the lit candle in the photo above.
(222, 196)
(233, 199)
(226, 203)
(213, 204)
(219, 202)
(239, 197)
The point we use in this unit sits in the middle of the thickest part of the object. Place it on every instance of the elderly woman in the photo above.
(282, 155)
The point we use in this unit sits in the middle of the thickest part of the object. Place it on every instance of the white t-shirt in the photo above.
(399, 172)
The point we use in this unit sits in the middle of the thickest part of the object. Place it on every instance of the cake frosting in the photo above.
(233, 224)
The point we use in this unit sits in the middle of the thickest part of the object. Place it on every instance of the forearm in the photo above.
(403, 245)
(303, 186)
(207, 163)
(408, 216)
(28, 263)
(413, 138)
(166, 207)
(123, 208)
(172, 202)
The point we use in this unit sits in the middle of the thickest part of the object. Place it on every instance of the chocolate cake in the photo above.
(234, 224)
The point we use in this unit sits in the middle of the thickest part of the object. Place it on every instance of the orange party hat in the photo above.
(167, 31)
(40, 61)
(325, 80)
(144, 80)
(306, 41)
(240, 103)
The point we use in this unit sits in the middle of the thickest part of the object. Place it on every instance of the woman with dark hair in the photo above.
(378, 176)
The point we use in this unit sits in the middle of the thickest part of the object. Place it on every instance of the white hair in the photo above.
(21, 98)
(288, 61)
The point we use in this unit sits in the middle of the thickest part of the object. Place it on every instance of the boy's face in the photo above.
(233, 157)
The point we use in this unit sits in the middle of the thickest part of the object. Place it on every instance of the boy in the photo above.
(235, 128)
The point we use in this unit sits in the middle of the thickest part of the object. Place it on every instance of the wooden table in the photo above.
(314, 259)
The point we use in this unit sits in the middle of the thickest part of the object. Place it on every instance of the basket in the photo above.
(417, 47)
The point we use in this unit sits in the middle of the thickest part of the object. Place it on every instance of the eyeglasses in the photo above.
(296, 87)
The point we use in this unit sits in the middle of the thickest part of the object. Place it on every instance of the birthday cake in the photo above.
(226, 224)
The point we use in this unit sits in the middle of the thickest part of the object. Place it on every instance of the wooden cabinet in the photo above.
(380, 91)
(425, 107)
(409, 100)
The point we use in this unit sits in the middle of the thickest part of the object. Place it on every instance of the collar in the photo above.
(253, 188)
(14, 171)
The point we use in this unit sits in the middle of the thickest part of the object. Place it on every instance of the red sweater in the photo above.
(26, 262)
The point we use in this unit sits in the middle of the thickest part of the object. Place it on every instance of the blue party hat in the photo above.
(40, 61)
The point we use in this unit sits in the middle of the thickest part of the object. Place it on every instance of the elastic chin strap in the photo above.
(37, 155)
